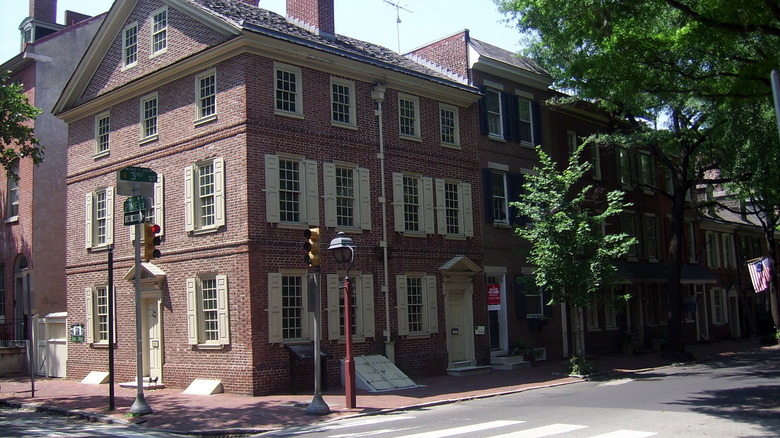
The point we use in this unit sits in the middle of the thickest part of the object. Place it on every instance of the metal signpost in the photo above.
(138, 183)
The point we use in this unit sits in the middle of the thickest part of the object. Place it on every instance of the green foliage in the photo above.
(578, 366)
(571, 255)
(16, 129)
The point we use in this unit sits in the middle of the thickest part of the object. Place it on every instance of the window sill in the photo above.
(147, 140)
(413, 138)
(453, 146)
(101, 154)
(12, 219)
(209, 346)
(343, 125)
(414, 234)
(289, 114)
(200, 231)
(101, 248)
(455, 237)
(129, 66)
(411, 336)
(495, 137)
(527, 144)
(205, 120)
(502, 225)
(158, 53)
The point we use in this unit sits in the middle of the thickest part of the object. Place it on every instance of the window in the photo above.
(408, 116)
(96, 299)
(204, 194)
(99, 231)
(592, 316)
(27, 35)
(347, 196)
(651, 241)
(159, 31)
(628, 226)
(691, 235)
(493, 107)
(288, 89)
(130, 45)
(448, 125)
(727, 244)
(413, 203)
(647, 170)
(102, 130)
(571, 141)
(718, 300)
(712, 245)
(596, 162)
(610, 313)
(524, 120)
(12, 205)
(292, 195)
(453, 208)
(288, 317)
(499, 201)
(624, 166)
(206, 92)
(342, 96)
(149, 118)
(417, 304)
(208, 322)
(363, 325)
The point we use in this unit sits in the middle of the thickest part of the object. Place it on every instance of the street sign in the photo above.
(135, 203)
(139, 174)
(135, 217)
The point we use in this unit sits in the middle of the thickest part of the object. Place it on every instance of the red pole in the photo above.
(349, 363)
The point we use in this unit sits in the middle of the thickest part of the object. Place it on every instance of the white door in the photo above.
(152, 341)
(460, 335)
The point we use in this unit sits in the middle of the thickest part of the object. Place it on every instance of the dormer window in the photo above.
(130, 45)
(159, 31)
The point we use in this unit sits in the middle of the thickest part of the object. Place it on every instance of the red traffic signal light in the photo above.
(151, 240)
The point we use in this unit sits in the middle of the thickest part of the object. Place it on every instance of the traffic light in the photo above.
(151, 240)
(312, 246)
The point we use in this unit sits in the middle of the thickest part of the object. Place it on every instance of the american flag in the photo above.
(760, 274)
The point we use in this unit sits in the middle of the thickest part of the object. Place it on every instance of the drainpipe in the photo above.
(378, 95)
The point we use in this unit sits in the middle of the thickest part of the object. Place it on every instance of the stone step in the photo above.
(469, 370)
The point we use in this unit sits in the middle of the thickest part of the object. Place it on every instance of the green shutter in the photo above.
(192, 312)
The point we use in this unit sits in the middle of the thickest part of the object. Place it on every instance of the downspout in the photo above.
(378, 95)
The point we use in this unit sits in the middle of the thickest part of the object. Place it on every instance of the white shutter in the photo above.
(367, 307)
(272, 189)
(219, 192)
(88, 222)
(109, 215)
(441, 216)
(159, 205)
(329, 187)
(402, 303)
(192, 312)
(427, 205)
(274, 308)
(312, 193)
(90, 325)
(189, 198)
(468, 210)
(433, 307)
(398, 202)
(364, 198)
(223, 318)
(334, 311)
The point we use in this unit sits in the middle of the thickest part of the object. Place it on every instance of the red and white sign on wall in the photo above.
(494, 297)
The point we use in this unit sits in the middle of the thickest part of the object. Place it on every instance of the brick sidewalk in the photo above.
(229, 413)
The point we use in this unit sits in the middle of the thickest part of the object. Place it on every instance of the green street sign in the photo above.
(138, 174)
(135, 203)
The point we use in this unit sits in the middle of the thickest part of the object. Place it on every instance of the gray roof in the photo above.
(259, 20)
(507, 57)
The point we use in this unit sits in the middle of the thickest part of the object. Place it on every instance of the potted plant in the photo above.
(629, 342)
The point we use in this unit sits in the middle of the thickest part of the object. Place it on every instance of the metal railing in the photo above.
(13, 333)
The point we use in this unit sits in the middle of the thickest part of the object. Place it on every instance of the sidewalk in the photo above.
(234, 414)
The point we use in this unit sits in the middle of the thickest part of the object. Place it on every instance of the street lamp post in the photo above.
(344, 251)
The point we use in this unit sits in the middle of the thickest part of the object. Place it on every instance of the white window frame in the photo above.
(571, 141)
(205, 98)
(334, 196)
(97, 315)
(503, 200)
(193, 218)
(93, 220)
(341, 104)
(362, 304)
(293, 98)
(533, 312)
(12, 194)
(525, 120)
(129, 49)
(727, 247)
(102, 134)
(651, 239)
(409, 117)
(463, 212)
(624, 166)
(307, 189)
(719, 306)
(196, 326)
(495, 115)
(155, 29)
(448, 121)
(149, 123)
(712, 248)
(423, 206)
(276, 307)
(647, 171)
(610, 313)
(429, 305)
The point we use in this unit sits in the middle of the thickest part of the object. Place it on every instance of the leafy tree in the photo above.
(571, 255)
(681, 65)
(16, 130)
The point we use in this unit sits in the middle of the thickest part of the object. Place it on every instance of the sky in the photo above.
(375, 21)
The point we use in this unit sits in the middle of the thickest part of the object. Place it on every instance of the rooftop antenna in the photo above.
(397, 20)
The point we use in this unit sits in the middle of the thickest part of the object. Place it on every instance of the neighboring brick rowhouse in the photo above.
(44, 10)
(315, 14)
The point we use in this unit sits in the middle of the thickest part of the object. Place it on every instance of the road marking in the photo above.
(540, 432)
(463, 429)
(371, 421)
(626, 434)
(617, 382)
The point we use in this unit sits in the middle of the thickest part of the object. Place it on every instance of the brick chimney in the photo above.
(45, 10)
(316, 16)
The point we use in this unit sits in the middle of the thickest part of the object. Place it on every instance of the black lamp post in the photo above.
(344, 251)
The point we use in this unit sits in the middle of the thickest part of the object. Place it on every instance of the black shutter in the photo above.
(483, 115)
(536, 115)
(509, 105)
(487, 180)
(514, 190)
(520, 309)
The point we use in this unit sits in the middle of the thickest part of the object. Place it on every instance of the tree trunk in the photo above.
(674, 330)
(578, 333)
